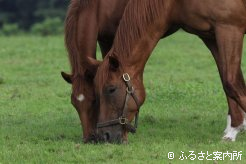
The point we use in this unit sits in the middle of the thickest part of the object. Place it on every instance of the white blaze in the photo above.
(80, 97)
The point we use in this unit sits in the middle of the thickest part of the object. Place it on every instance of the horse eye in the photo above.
(110, 90)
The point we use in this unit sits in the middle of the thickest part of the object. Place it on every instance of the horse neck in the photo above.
(141, 53)
(141, 50)
(138, 34)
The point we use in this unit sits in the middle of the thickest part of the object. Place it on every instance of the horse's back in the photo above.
(205, 14)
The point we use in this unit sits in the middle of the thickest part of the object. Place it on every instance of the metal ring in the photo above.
(126, 77)
(130, 91)
(123, 120)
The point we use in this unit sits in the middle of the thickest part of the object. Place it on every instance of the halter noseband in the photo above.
(122, 120)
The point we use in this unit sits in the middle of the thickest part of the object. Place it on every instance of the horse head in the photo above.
(121, 93)
(83, 98)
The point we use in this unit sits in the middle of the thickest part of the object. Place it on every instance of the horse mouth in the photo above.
(96, 138)
(102, 138)
(92, 139)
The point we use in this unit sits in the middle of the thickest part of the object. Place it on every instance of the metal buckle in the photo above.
(123, 120)
(130, 91)
(126, 77)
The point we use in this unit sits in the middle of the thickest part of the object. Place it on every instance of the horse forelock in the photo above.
(77, 85)
(138, 15)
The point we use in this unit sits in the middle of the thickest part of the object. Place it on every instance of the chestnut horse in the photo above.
(87, 22)
(221, 25)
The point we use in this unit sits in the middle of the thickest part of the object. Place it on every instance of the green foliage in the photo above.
(185, 109)
(50, 26)
(10, 29)
(1, 80)
(29, 12)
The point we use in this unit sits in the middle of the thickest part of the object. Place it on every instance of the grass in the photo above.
(185, 109)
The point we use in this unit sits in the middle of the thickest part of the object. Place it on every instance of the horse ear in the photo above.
(113, 63)
(67, 77)
(93, 62)
(91, 66)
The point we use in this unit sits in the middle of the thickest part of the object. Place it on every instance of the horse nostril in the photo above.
(106, 136)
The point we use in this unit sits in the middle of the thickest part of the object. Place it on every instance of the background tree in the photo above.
(26, 13)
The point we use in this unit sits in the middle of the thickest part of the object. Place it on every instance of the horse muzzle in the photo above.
(112, 134)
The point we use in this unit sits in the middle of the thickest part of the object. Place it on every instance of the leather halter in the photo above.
(122, 120)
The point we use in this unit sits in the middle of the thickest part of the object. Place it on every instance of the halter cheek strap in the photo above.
(122, 120)
(130, 92)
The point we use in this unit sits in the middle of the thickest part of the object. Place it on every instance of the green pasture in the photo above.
(185, 109)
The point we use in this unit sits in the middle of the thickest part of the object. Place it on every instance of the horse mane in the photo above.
(138, 16)
(71, 42)
(71, 39)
